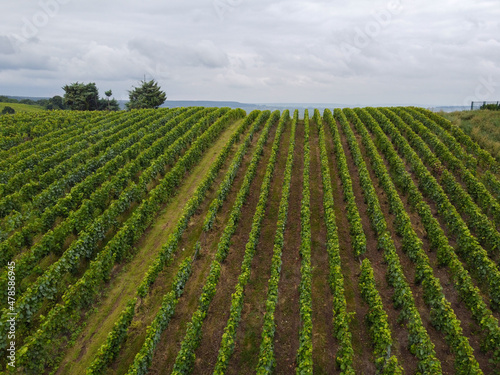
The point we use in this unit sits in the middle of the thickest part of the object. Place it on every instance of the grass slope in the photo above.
(21, 107)
(483, 126)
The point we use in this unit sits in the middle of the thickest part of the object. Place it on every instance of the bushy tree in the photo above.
(85, 97)
(492, 107)
(81, 97)
(147, 95)
(8, 110)
(56, 102)
(109, 104)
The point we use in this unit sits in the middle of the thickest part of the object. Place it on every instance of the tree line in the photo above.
(85, 97)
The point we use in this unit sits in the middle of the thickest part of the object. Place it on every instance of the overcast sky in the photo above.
(372, 52)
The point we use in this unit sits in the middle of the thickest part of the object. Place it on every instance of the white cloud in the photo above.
(278, 51)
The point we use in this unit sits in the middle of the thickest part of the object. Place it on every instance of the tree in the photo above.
(85, 97)
(148, 95)
(81, 97)
(56, 102)
(8, 110)
(111, 105)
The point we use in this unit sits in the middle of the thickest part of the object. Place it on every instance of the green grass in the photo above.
(22, 107)
(483, 126)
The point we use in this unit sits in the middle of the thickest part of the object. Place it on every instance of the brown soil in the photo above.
(287, 314)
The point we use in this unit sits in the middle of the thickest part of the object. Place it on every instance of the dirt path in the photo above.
(126, 277)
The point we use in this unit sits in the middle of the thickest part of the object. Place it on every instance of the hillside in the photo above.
(483, 126)
(210, 240)
(21, 107)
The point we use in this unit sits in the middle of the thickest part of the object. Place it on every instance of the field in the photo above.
(21, 107)
(210, 240)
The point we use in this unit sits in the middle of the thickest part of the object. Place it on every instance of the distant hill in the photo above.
(264, 106)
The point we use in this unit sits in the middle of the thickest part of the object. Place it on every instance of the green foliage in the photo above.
(237, 298)
(81, 97)
(491, 107)
(147, 95)
(84, 97)
(56, 102)
(443, 317)
(143, 359)
(86, 288)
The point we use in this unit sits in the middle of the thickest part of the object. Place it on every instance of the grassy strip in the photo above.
(111, 347)
(33, 355)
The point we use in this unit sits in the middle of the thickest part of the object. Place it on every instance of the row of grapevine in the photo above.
(469, 293)
(237, 298)
(378, 322)
(451, 143)
(34, 354)
(467, 245)
(267, 362)
(153, 333)
(84, 219)
(225, 186)
(442, 315)
(39, 128)
(377, 318)
(186, 356)
(489, 180)
(475, 188)
(355, 226)
(34, 166)
(345, 353)
(174, 238)
(90, 195)
(304, 353)
(110, 349)
(48, 285)
(229, 335)
(484, 229)
(484, 156)
(53, 184)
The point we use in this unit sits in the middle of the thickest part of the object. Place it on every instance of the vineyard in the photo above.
(214, 241)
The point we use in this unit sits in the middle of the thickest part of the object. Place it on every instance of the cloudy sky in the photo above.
(364, 52)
